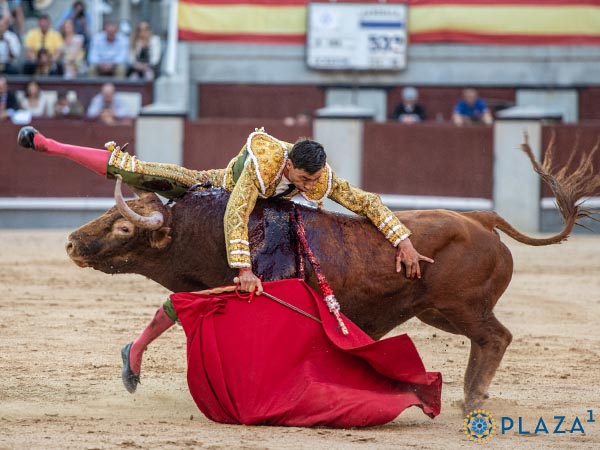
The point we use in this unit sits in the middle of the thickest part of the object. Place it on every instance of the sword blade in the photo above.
(292, 307)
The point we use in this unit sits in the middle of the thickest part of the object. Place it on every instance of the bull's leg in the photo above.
(489, 341)
(133, 352)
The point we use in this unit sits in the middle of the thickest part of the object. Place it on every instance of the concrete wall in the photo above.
(428, 64)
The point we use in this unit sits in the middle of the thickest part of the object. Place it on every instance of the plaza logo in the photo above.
(480, 425)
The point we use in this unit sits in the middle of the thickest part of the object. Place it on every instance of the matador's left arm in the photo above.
(237, 214)
(369, 205)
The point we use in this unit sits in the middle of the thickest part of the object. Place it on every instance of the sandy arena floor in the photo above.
(61, 329)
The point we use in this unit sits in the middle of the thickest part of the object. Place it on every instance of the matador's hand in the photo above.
(248, 281)
(406, 253)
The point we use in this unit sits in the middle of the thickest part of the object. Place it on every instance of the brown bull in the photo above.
(181, 248)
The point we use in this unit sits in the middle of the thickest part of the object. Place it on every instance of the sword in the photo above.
(220, 290)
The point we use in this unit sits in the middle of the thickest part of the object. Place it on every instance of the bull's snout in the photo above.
(71, 250)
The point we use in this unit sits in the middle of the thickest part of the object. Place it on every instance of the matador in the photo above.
(266, 167)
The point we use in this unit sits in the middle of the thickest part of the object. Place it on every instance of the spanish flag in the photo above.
(254, 21)
(511, 22)
(518, 22)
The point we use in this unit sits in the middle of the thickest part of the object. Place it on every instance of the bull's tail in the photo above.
(569, 188)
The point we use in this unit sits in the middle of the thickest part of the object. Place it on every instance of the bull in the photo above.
(181, 248)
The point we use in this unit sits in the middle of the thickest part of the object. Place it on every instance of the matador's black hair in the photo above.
(308, 155)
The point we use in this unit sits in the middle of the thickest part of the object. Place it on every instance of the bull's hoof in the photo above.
(25, 138)
(471, 406)
(130, 379)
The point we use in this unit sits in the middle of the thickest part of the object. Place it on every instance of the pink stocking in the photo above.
(92, 158)
(157, 326)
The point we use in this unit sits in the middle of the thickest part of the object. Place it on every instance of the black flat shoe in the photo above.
(25, 137)
(130, 379)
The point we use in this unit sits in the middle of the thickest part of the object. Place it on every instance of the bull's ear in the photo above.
(161, 238)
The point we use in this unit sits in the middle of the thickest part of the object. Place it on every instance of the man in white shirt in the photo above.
(108, 107)
(109, 52)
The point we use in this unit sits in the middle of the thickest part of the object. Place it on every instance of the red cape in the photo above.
(262, 363)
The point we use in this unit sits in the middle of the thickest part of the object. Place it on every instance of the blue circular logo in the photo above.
(479, 425)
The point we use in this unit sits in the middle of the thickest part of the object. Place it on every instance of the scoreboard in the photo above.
(357, 36)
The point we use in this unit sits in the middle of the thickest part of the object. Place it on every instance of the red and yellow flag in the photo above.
(519, 22)
(266, 21)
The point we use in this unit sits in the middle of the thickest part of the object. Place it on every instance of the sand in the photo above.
(61, 329)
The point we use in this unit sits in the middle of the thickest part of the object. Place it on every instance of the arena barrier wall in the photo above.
(40, 191)
(211, 143)
(569, 139)
(419, 166)
(428, 159)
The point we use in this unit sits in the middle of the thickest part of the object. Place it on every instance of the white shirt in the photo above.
(10, 47)
(283, 185)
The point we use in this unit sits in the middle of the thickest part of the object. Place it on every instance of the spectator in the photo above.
(12, 11)
(10, 49)
(73, 50)
(108, 107)
(145, 53)
(81, 19)
(409, 110)
(33, 101)
(471, 109)
(8, 100)
(108, 52)
(65, 107)
(43, 37)
(44, 64)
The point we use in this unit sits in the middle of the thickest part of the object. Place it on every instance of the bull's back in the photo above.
(359, 262)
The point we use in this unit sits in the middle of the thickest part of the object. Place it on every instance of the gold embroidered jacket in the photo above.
(255, 172)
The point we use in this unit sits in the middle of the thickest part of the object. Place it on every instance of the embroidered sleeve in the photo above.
(240, 205)
(369, 205)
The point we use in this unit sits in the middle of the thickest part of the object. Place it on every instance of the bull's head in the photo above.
(125, 238)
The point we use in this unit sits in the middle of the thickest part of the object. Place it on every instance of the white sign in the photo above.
(357, 36)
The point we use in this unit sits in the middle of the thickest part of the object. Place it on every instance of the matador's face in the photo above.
(303, 180)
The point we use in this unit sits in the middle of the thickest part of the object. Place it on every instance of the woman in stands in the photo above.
(33, 101)
(73, 49)
(145, 52)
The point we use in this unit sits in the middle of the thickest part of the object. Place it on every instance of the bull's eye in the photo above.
(122, 228)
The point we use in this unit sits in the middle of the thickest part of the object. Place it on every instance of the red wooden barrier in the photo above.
(570, 138)
(211, 143)
(29, 174)
(428, 159)
(422, 159)
(589, 103)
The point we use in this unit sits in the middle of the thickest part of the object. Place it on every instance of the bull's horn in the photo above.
(152, 222)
